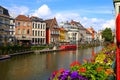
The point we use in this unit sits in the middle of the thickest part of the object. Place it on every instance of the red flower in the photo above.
(75, 63)
(82, 69)
(55, 72)
(99, 69)
(61, 70)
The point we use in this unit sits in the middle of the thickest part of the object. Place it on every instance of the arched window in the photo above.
(18, 31)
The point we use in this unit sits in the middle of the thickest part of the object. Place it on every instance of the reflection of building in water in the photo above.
(93, 52)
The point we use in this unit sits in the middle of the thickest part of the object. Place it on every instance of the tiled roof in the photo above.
(87, 31)
(91, 29)
(22, 17)
(37, 19)
(62, 29)
(77, 24)
(48, 22)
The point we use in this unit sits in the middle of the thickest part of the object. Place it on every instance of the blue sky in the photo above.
(96, 13)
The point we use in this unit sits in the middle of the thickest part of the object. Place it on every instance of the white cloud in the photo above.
(96, 23)
(16, 10)
(42, 11)
(45, 12)
(109, 24)
(67, 16)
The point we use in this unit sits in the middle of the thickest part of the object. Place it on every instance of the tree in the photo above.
(107, 35)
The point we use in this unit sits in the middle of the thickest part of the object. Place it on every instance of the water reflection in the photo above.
(40, 66)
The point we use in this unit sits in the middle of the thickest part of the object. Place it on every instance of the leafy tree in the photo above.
(107, 35)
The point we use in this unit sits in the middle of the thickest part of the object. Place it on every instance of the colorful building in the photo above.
(88, 36)
(81, 29)
(38, 30)
(52, 31)
(23, 29)
(72, 32)
(92, 31)
(62, 34)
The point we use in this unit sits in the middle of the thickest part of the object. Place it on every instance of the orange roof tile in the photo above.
(22, 17)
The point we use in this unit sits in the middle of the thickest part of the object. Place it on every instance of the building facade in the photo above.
(82, 30)
(23, 29)
(72, 33)
(12, 38)
(62, 34)
(53, 32)
(38, 30)
(4, 26)
(88, 36)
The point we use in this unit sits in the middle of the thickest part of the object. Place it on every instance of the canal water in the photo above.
(40, 66)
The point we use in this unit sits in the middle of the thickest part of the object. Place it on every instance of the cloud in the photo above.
(67, 16)
(45, 12)
(109, 24)
(96, 23)
(42, 11)
(16, 10)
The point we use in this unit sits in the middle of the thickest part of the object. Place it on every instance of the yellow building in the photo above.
(62, 35)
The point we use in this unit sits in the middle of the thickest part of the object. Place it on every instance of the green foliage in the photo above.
(107, 35)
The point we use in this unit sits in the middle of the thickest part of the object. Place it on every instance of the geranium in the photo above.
(61, 70)
(82, 69)
(99, 69)
(75, 63)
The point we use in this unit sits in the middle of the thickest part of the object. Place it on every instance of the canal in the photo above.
(40, 66)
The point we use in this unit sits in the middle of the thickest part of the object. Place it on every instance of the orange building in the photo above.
(92, 31)
(23, 29)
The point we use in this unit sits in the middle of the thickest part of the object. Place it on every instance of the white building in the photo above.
(38, 31)
(81, 30)
(88, 36)
(72, 32)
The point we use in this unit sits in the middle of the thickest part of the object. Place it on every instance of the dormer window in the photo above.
(1, 11)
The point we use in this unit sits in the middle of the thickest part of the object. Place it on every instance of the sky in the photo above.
(98, 14)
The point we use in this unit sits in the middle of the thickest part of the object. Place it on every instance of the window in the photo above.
(28, 23)
(38, 33)
(24, 31)
(43, 26)
(28, 31)
(33, 25)
(1, 19)
(33, 32)
(24, 23)
(38, 26)
(18, 24)
(1, 11)
(41, 33)
(18, 31)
